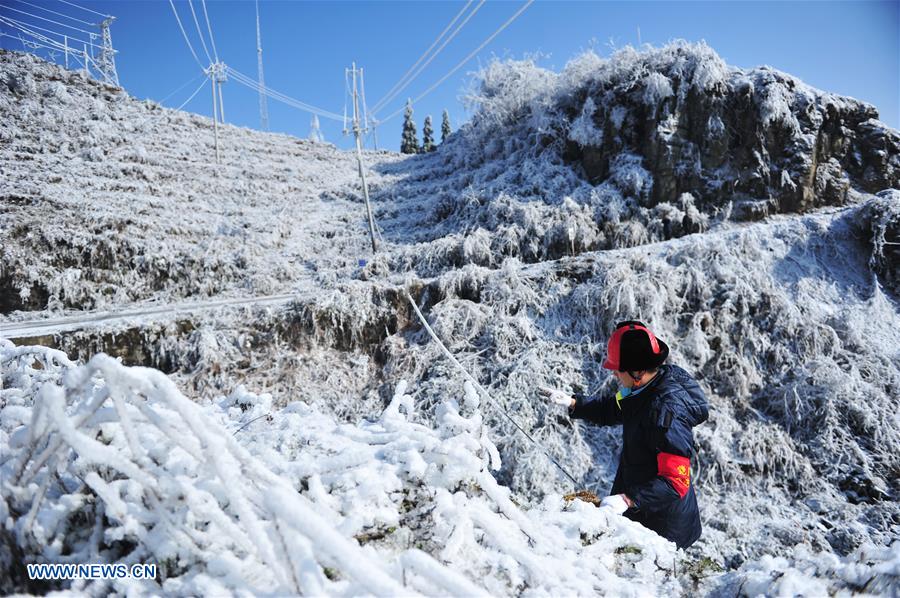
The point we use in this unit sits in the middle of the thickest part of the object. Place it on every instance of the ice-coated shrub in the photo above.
(656, 89)
(106, 464)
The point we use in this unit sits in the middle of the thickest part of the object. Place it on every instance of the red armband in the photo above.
(676, 469)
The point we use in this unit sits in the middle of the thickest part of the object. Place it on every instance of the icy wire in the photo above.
(484, 392)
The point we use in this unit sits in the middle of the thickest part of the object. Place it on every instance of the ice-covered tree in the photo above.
(409, 143)
(428, 136)
(445, 126)
(315, 133)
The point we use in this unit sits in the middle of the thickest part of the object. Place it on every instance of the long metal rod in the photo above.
(221, 104)
(212, 75)
(483, 391)
(359, 160)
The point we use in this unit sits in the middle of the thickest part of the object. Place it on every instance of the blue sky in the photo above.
(848, 47)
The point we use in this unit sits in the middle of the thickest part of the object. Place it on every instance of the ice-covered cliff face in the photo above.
(522, 260)
(759, 138)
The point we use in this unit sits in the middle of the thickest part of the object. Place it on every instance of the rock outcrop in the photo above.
(759, 137)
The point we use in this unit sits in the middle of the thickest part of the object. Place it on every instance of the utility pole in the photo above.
(263, 109)
(66, 43)
(216, 74)
(107, 63)
(85, 58)
(219, 80)
(212, 71)
(215, 114)
(357, 131)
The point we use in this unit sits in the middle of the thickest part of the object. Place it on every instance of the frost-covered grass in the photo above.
(102, 463)
(109, 200)
(103, 223)
(522, 263)
(636, 148)
(772, 318)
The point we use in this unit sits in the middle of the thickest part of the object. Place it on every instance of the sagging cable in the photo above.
(484, 392)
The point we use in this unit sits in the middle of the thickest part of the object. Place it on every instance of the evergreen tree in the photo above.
(445, 126)
(428, 136)
(409, 143)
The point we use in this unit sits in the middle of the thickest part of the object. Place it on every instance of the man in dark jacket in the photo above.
(657, 406)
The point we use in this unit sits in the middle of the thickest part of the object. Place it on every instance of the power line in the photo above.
(183, 104)
(33, 44)
(18, 26)
(484, 393)
(385, 99)
(183, 85)
(35, 27)
(275, 95)
(200, 33)
(464, 60)
(45, 42)
(56, 13)
(83, 8)
(208, 28)
(438, 51)
(104, 65)
(269, 92)
(25, 28)
(51, 21)
(184, 33)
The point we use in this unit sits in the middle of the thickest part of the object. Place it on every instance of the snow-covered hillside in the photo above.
(133, 206)
(765, 255)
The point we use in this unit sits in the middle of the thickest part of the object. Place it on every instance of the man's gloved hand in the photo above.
(618, 503)
(557, 396)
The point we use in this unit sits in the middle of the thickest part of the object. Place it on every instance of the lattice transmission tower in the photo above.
(106, 63)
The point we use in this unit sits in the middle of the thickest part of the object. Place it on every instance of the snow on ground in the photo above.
(234, 495)
(105, 463)
(522, 263)
(132, 206)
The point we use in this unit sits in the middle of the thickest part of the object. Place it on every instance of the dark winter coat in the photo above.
(657, 443)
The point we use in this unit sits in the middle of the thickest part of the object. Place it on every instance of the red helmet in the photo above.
(632, 347)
